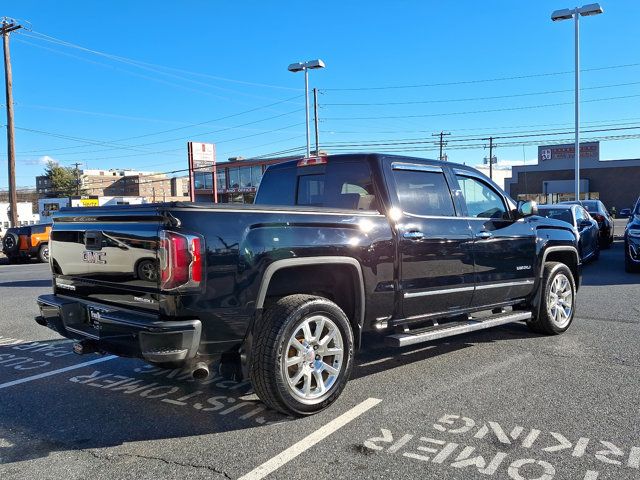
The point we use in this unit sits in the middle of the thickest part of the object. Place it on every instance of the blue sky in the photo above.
(197, 62)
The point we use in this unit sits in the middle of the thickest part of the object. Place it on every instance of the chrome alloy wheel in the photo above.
(313, 358)
(560, 301)
(148, 271)
(45, 253)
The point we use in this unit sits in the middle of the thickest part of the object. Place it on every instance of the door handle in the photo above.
(484, 235)
(413, 235)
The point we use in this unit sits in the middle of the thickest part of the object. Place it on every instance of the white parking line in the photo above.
(306, 443)
(55, 372)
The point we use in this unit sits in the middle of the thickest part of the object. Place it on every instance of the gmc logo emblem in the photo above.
(94, 257)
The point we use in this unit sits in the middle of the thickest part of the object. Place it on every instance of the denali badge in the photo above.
(94, 257)
(523, 267)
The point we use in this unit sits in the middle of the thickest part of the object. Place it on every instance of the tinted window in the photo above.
(345, 185)
(482, 201)
(279, 188)
(563, 214)
(423, 193)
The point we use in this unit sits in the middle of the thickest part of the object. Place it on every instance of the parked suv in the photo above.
(281, 291)
(30, 241)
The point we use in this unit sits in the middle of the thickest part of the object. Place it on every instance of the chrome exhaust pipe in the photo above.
(200, 371)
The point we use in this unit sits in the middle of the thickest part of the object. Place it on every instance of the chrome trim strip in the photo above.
(437, 292)
(416, 166)
(505, 284)
(466, 289)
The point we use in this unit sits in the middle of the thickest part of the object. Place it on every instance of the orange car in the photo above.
(30, 241)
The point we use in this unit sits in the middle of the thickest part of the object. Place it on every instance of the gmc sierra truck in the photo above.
(281, 291)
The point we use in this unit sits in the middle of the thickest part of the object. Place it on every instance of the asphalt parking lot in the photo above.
(501, 403)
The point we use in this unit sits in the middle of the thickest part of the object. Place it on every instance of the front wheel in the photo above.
(43, 253)
(302, 354)
(557, 305)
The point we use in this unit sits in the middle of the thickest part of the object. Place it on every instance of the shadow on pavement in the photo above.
(27, 283)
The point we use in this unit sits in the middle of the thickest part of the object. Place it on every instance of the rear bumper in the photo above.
(124, 333)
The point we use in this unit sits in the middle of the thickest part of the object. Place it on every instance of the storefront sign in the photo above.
(588, 151)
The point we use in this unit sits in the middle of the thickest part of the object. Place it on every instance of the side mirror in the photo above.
(585, 223)
(527, 209)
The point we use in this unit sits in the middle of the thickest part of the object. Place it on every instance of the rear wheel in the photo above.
(557, 304)
(147, 270)
(302, 354)
(43, 253)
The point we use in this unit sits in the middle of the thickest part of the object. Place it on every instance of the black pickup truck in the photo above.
(282, 290)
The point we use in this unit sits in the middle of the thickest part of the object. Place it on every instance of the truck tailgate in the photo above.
(108, 255)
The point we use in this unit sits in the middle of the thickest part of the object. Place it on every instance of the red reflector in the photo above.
(305, 162)
(196, 262)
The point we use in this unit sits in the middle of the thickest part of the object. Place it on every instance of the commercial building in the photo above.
(237, 180)
(25, 214)
(114, 182)
(48, 206)
(614, 182)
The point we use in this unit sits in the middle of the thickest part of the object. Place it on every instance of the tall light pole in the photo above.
(305, 67)
(576, 13)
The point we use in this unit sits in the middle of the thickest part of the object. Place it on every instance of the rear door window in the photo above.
(423, 192)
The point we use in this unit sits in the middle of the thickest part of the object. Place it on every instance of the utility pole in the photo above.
(77, 178)
(441, 142)
(491, 157)
(315, 119)
(7, 27)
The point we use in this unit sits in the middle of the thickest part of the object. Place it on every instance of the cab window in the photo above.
(423, 193)
(481, 199)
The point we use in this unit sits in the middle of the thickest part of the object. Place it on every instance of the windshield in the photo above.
(563, 214)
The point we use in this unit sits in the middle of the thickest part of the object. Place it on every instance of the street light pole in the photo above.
(576, 13)
(577, 104)
(305, 67)
(306, 108)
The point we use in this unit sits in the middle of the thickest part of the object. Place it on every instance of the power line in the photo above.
(469, 99)
(484, 80)
(130, 61)
(493, 110)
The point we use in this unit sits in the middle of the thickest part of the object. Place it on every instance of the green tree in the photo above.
(64, 180)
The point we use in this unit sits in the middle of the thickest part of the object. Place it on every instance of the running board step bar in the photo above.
(456, 328)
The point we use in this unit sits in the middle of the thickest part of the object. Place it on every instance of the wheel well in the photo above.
(568, 257)
(338, 283)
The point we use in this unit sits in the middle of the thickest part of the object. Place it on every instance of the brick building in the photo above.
(115, 182)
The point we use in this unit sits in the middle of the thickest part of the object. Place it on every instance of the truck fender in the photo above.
(325, 260)
(538, 295)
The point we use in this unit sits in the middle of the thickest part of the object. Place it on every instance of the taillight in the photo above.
(597, 217)
(180, 260)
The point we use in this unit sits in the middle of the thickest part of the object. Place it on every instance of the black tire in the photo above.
(10, 243)
(271, 348)
(544, 321)
(43, 253)
(606, 243)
